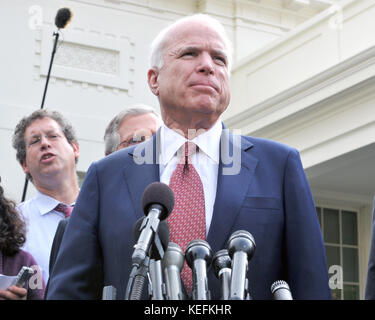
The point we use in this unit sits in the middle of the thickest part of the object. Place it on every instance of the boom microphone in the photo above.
(241, 247)
(198, 256)
(157, 204)
(222, 263)
(63, 17)
(172, 264)
(281, 291)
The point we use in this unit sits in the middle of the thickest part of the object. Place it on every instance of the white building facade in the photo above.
(303, 75)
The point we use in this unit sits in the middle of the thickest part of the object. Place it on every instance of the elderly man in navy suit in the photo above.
(243, 183)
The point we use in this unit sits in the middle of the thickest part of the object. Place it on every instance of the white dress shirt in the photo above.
(205, 161)
(41, 223)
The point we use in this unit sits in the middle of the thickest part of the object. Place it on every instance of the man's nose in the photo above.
(206, 64)
(44, 142)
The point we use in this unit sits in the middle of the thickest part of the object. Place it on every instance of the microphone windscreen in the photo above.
(63, 17)
(158, 193)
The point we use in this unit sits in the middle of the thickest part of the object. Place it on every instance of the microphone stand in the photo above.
(56, 35)
(139, 273)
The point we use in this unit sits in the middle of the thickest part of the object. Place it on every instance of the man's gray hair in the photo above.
(18, 139)
(111, 135)
(157, 46)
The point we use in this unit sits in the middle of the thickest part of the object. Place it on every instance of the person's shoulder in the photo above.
(24, 258)
(116, 158)
(25, 207)
(123, 157)
(269, 145)
(24, 204)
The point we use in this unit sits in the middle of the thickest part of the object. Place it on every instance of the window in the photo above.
(340, 233)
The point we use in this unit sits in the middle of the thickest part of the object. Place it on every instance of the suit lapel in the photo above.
(142, 168)
(231, 188)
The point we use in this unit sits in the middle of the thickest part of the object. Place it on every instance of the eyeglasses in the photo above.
(132, 141)
(37, 138)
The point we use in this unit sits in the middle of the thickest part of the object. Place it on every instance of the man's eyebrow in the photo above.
(220, 52)
(53, 131)
(188, 48)
(198, 48)
(47, 132)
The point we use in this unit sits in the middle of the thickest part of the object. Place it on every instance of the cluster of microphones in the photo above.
(158, 262)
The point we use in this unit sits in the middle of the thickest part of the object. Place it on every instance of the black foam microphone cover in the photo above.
(158, 193)
(63, 17)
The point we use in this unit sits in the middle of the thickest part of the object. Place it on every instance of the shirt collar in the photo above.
(45, 203)
(208, 142)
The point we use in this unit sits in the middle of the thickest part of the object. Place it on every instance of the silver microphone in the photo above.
(156, 278)
(157, 204)
(281, 291)
(241, 247)
(109, 293)
(222, 264)
(172, 264)
(198, 256)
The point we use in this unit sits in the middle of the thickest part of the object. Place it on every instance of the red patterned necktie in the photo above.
(187, 221)
(65, 209)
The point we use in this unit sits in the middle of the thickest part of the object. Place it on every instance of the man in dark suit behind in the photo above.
(249, 183)
(370, 282)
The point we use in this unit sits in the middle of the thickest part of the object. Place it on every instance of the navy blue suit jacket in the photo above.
(270, 197)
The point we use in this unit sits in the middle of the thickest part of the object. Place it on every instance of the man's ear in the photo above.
(152, 78)
(25, 167)
(75, 146)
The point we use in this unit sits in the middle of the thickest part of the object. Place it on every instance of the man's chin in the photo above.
(209, 109)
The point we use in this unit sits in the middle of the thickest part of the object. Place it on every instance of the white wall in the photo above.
(101, 62)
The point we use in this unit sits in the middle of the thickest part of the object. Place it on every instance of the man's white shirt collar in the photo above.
(44, 203)
(208, 142)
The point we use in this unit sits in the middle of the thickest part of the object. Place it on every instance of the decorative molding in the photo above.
(89, 58)
(306, 94)
(340, 199)
(297, 31)
(77, 56)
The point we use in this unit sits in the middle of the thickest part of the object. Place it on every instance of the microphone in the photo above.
(161, 240)
(157, 204)
(156, 287)
(109, 293)
(281, 291)
(156, 251)
(198, 256)
(241, 247)
(63, 18)
(221, 263)
(172, 264)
